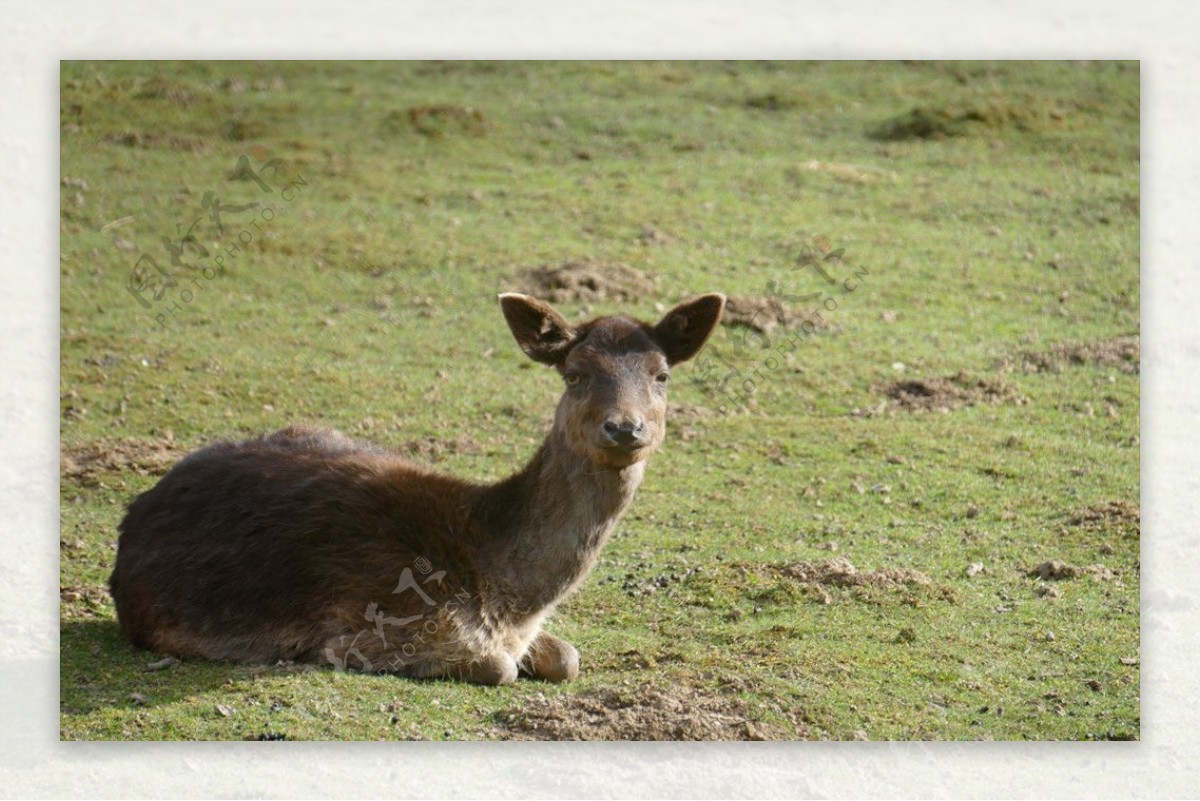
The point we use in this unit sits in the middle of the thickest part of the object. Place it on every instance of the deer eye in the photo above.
(662, 377)
(572, 379)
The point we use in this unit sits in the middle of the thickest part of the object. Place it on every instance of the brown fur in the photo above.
(308, 545)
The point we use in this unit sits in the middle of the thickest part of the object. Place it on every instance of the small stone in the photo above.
(974, 569)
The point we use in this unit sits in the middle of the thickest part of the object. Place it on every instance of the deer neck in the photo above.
(554, 517)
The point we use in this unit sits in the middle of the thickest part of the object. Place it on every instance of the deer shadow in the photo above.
(100, 669)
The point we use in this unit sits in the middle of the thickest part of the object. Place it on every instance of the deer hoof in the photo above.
(552, 659)
(492, 671)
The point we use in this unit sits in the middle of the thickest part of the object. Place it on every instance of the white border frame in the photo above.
(36, 36)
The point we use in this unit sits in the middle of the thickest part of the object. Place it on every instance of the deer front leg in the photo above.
(551, 659)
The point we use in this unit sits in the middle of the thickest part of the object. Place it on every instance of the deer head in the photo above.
(616, 371)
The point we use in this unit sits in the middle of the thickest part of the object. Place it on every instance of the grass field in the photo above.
(920, 521)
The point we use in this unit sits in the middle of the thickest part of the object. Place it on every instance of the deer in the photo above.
(307, 546)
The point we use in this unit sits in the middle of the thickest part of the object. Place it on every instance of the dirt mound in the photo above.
(643, 713)
(1057, 570)
(840, 572)
(1115, 515)
(941, 123)
(437, 121)
(1123, 353)
(160, 88)
(951, 392)
(764, 315)
(87, 463)
(78, 601)
(157, 141)
(587, 282)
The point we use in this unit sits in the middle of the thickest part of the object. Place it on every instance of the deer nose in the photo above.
(625, 433)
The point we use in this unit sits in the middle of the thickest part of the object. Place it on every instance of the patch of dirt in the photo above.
(919, 123)
(1048, 591)
(688, 412)
(642, 713)
(78, 601)
(652, 236)
(436, 121)
(774, 101)
(154, 141)
(243, 129)
(1121, 516)
(434, 449)
(951, 392)
(161, 88)
(1058, 570)
(236, 86)
(840, 572)
(587, 282)
(764, 315)
(1123, 353)
(941, 123)
(681, 419)
(814, 581)
(88, 463)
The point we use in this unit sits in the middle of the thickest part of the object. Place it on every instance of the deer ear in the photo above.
(541, 332)
(684, 330)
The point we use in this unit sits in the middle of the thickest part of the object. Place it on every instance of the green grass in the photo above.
(368, 304)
